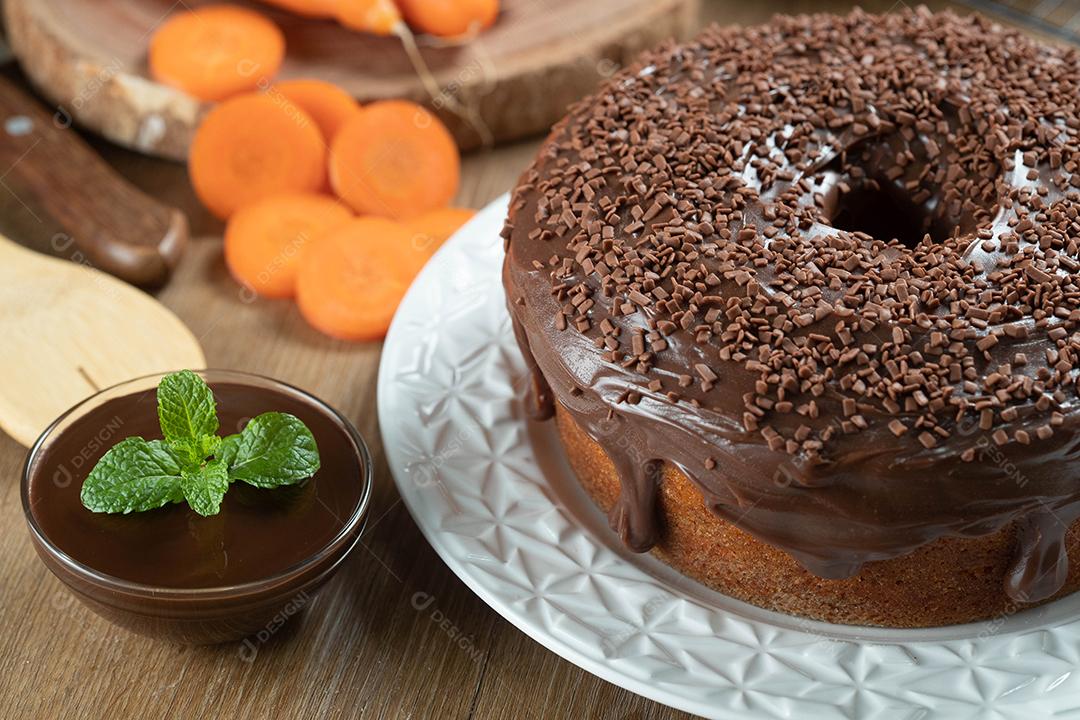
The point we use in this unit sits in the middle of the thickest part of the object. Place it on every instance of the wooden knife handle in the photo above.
(117, 227)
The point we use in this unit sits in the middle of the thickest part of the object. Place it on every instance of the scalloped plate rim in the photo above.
(391, 398)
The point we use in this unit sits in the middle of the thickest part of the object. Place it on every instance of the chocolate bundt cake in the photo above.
(804, 301)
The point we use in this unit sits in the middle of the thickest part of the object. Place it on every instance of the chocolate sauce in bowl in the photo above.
(258, 533)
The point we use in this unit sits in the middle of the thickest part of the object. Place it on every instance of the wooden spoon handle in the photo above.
(118, 228)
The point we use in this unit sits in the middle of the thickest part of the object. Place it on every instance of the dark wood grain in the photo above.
(363, 649)
(119, 228)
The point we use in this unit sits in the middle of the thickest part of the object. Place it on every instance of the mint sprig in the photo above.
(187, 414)
(192, 463)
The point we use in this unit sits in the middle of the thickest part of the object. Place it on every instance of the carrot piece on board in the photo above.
(432, 229)
(395, 159)
(380, 17)
(448, 18)
(352, 280)
(216, 51)
(265, 240)
(327, 104)
(308, 8)
(249, 147)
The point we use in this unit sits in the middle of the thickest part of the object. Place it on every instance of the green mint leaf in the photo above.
(133, 476)
(273, 449)
(187, 413)
(209, 445)
(205, 487)
(192, 463)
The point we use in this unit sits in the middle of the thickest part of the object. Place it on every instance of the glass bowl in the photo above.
(191, 615)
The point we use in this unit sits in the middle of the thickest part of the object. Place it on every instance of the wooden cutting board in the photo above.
(89, 57)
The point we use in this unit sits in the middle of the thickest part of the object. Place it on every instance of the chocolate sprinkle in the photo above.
(727, 212)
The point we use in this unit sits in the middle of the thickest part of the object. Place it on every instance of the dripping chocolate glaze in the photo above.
(679, 284)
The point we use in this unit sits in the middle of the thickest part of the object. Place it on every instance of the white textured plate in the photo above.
(493, 495)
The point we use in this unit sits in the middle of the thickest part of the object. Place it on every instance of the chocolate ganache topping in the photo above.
(825, 267)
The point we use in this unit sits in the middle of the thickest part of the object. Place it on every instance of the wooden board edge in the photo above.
(505, 104)
(138, 114)
(127, 109)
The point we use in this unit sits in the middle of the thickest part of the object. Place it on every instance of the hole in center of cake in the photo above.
(885, 212)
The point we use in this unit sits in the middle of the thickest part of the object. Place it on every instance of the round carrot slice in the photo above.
(327, 104)
(216, 51)
(352, 280)
(250, 147)
(395, 159)
(433, 228)
(264, 240)
(448, 18)
(379, 17)
(308, 8)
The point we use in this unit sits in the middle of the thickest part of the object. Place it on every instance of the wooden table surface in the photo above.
(362, 649)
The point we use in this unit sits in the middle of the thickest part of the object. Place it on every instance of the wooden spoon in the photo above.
(69, 330)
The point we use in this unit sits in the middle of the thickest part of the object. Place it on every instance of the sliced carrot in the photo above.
(308, 8)
(432, 229)
(380, 17)
(395, 159)
(448, 18)
(327, 104)
(352, 280)
(216, 51)
(265, 240)
(250, 147)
